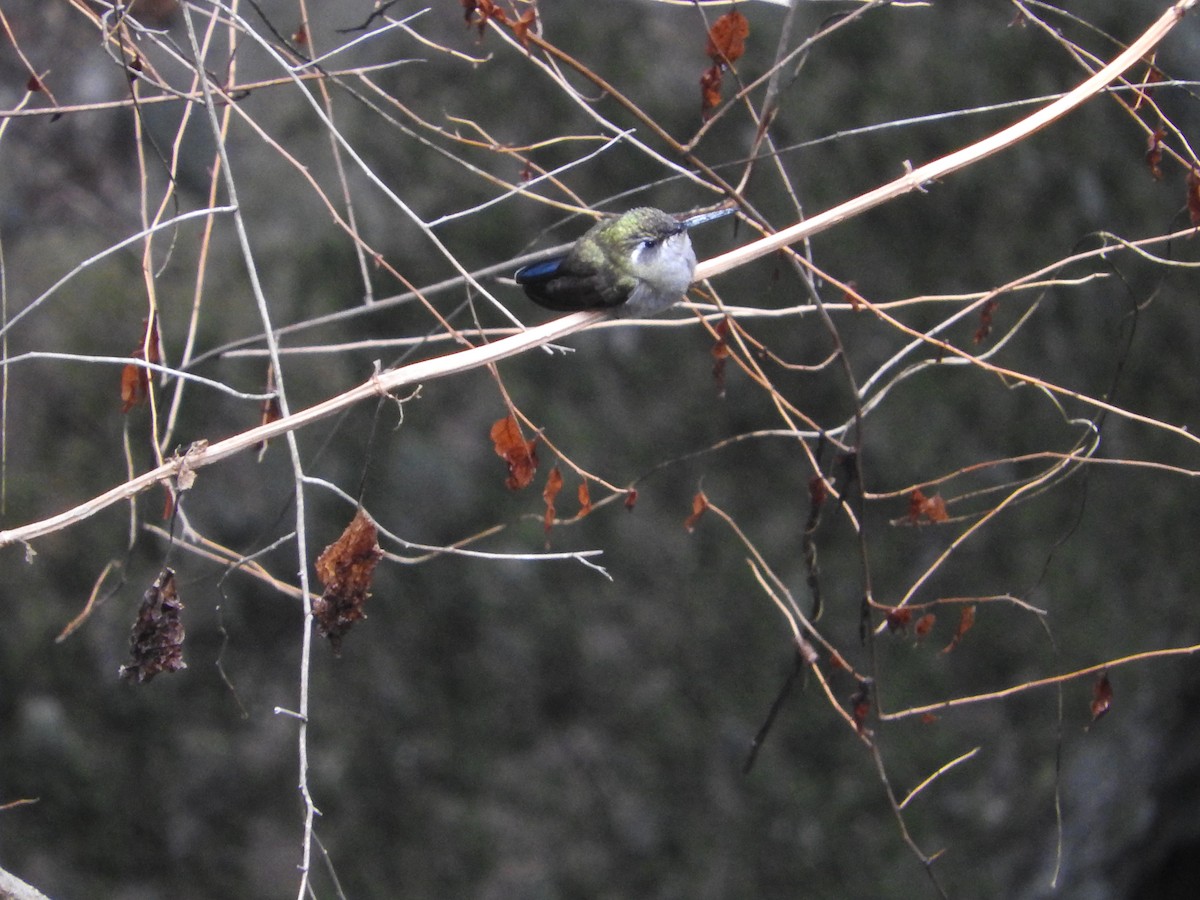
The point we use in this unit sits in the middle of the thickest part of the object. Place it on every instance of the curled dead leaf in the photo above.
(966, 620)
(518, 453)
(156, 640)
(554, 483)
(1102, 696)
(925, 509)
(699, 505)
(345, 568)
(727, 38)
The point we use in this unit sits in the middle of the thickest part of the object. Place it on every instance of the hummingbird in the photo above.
(636, 264)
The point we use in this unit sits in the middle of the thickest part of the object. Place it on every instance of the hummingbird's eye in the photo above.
(649, 243)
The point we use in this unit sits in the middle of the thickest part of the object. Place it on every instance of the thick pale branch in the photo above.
(203, 455)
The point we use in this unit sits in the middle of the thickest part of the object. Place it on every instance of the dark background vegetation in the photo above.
(511, 729)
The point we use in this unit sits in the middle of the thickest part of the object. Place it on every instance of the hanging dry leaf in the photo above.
(985, 321)
(860, 705)
(345, 568)
(924, 625)
(898, 617)
(135, 380)
(710, 90)
(966, 619)
(585, 499)
(1102, 696)
(156, 641)
(925, 509)
(520, 27)
(477, 12)
(818, 493)
(554, 483)
(1193, 196)
(699, 505)
(518, 453)
(727, 38)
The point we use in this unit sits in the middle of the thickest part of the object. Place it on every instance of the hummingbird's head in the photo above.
(652, 248)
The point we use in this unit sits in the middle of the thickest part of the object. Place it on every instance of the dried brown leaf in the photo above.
(966, 619)
(699, 505)
(156, 640)
(1193, 196)
(924, 625)
(345, 568)
(1102, 696)
(554, 483)
(710, 90)
(925, 509)
(727, 38)
(518, 453)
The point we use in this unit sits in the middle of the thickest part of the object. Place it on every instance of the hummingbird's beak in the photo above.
(700, 218)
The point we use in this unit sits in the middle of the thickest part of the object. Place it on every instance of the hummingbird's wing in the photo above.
(568, 283)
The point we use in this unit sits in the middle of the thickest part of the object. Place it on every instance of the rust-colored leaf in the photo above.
(345, 568)
(554, 483)
(818, 493)
(1154, 153)
(518, 453)
(898, 617)
(520, 27)
(1102, 696)
(156, 641)
(966, 619)
(699, 505)
(710, 90)
(34, 85)
(925, 509)
(860, 705)
(727, 38)
(135, 380)
(1193, 196)
(928, 719)
(985, 321)
(631, 499)
(924, 625)
(477, 12)
(134, 386)
(585, 499)
(300, 38)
